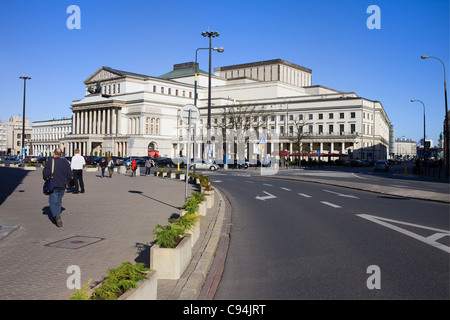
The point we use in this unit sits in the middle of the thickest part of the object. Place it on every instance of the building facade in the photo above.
(11, 136)
(129, 114)
(48, 135)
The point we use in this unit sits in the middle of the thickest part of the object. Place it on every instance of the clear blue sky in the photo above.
(328, 36)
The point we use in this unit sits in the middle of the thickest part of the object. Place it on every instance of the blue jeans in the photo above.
(55, 201)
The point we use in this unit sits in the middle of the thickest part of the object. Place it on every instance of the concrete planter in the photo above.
(30, 168)
(195, 234)
(209, 195)
(90, 169)
(171, 262)
(122, 169)
(202, 208)
(181, 176)
(145, 290)
(172, 175)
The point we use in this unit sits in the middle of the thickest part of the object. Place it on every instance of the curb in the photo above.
(191, 289)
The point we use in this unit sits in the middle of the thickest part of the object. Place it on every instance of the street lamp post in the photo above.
(218, 49)
(412, 100)
(446, 133)
(209, 34)
(23, 115)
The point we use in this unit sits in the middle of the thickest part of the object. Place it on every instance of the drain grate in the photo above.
(76, 242)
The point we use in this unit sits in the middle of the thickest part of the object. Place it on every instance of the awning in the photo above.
(154, 153)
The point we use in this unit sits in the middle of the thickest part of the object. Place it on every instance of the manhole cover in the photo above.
(75, 242)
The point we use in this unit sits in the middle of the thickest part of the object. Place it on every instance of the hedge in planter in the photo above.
(116, 282)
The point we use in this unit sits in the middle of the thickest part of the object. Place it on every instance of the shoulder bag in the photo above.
(48, 184)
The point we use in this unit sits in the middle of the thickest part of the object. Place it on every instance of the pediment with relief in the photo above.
(102, 74)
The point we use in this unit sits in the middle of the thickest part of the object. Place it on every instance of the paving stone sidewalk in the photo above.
(109, 224)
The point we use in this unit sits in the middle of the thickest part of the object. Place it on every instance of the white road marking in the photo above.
(264, 198)
(354, 174)
(342, 195)
(330, 204)
(304, 195)
(286, 189)
(266, 184)
(431, 240)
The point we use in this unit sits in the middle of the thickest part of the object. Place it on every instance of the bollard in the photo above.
(406, 171)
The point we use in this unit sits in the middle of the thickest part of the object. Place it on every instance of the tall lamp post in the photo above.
(218, 49)
(210, 35)
(23, 115)
(412, 100)
(446, 133)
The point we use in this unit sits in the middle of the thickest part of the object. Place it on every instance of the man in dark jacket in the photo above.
(61, 176)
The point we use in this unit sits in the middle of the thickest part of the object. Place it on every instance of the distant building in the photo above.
(11, 136)
(405, 148)
(49, 134)
(131, 114)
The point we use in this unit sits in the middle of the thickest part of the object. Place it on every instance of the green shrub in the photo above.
(169, 236)
(120, 280)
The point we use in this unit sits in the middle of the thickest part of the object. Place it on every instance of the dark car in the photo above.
(381, 165)
(165, 162)
(89, 159)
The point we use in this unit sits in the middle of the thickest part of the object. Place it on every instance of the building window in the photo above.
(118, 88)
(310, 116)
(157, 127)
(282, 118)
(330, 116)
(109, 89)
(330, 128)
(190, 94)
(320, 129)
(291, 117)
(162, 89)
(176, 92)
(300, 117)
(353, 115)
(341, 115)
(341, 129)
(170, 91)
(311, 128)
(320, 116)
(154, 88)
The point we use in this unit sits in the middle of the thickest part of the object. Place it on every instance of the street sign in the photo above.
(184, 113)
(262, 140)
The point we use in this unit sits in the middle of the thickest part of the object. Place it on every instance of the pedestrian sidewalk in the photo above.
(109, 224)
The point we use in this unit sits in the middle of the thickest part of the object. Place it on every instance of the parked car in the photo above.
(165, 162)
(205, 165)
(140, 161)
(381, 165)
(89, 159)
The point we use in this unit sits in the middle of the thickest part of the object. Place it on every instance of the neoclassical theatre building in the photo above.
(130, 114)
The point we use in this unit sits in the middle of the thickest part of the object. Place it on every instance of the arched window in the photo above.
(157, 127)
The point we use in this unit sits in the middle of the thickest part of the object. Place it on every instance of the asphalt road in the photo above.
(300, 240)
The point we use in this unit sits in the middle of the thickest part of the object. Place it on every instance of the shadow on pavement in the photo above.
(11, 178)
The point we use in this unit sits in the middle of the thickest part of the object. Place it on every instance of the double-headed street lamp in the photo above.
(446, 133)
(23, 115)
(210, 35)
(218, 49)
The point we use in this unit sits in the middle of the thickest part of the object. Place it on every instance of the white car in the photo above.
(205, 165)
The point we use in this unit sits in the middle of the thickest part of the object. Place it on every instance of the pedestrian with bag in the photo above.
(110, 166)
(133, 168)
(59, 170)
(103, 165)
(76, 165)
(148, 165)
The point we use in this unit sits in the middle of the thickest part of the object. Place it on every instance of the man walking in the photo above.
(61, 176)
(76, 165)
